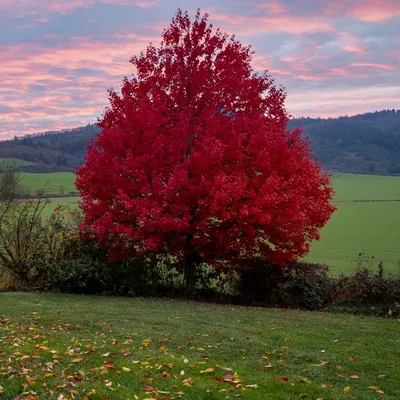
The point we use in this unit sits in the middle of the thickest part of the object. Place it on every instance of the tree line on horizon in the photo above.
(365, 144)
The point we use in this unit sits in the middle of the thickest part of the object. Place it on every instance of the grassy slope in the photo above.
(13, 162)
(82, 333)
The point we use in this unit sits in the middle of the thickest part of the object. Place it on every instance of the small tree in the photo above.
(195, 159)
(10, 186)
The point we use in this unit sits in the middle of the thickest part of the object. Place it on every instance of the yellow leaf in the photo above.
(207, 371)
(346, 389)
(126, 369)
(78, 359)
(373, 388)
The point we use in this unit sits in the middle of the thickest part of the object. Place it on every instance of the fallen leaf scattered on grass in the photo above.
(282, 379)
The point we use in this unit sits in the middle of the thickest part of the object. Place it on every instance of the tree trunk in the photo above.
(190, 279)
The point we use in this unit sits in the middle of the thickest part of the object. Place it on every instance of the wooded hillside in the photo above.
(366, 143)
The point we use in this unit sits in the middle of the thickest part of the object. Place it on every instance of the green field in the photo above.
(53, 182)
(351, 187)
(13, 162)
(367, 220)
(56, 346)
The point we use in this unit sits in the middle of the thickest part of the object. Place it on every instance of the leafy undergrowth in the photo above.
(83, 347)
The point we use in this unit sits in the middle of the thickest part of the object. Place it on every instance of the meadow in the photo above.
(13, 162)
(55, 346)
(367, 221)
(52, 182)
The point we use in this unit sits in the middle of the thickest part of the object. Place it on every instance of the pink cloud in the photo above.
(136, 3)
(272, 7)
(373, 65)
(20, 8)
(256, 25)
(352, 44)
(365, 10)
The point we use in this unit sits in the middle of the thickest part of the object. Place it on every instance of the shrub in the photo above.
(306, 286)
(366, 288)
(298, 284)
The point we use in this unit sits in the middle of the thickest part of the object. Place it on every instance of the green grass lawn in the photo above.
(52, 181)
(13, 162)
(115, 348)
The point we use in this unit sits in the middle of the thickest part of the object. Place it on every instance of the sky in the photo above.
(59, 57)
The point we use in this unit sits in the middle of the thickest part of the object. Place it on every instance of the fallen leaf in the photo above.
(227, 378)
(149, 388)
(208, 370)
(326, 386)
(346, 389)
(282, 379)
(78, 359)
(223, 368)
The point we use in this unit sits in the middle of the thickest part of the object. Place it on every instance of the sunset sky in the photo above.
(58, 57)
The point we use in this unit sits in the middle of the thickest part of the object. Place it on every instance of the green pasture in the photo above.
(351, 187)
(55, 346)
(367, 220)
(372, 229)
(52, 182)
(13, 162)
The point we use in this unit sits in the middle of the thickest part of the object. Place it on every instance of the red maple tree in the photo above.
(195, 159)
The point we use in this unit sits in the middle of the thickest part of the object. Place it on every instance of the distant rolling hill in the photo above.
(366, 143)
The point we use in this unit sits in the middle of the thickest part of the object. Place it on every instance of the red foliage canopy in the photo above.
(195, 157)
